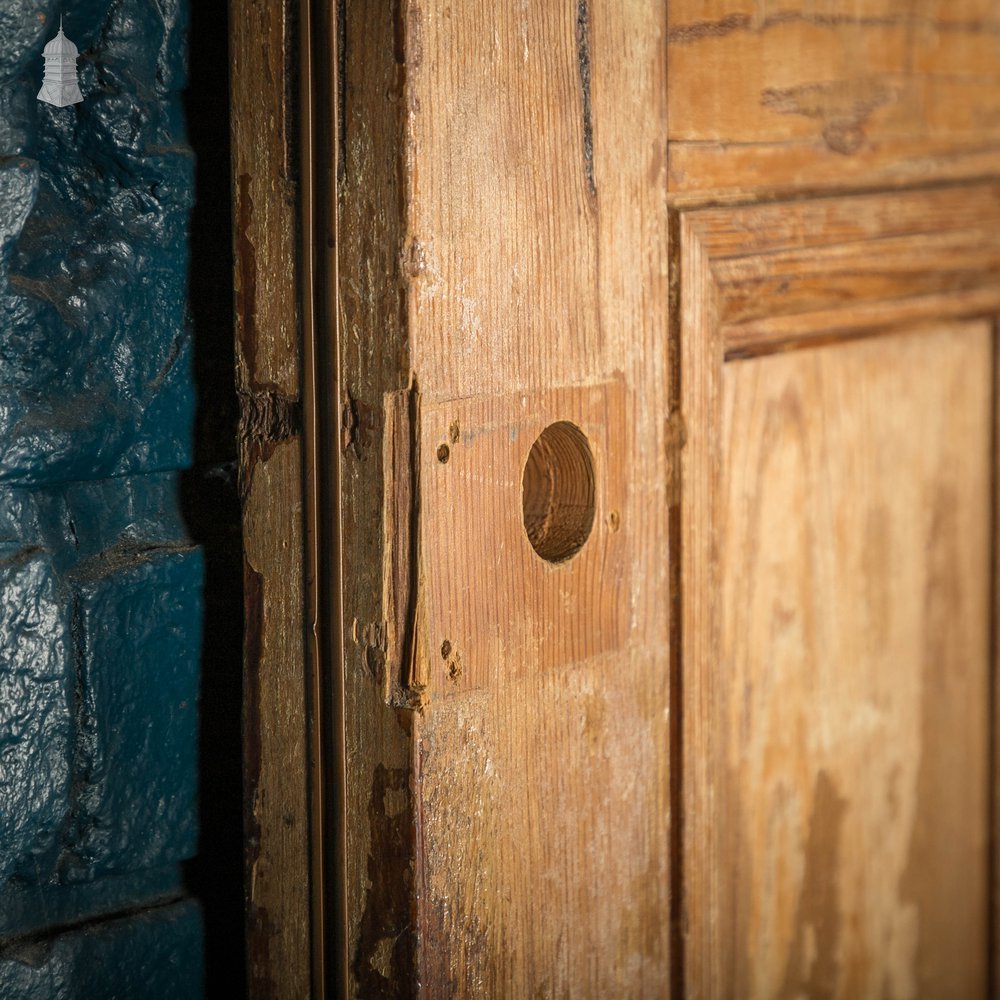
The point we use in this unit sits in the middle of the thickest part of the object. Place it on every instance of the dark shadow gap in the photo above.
(211, 507)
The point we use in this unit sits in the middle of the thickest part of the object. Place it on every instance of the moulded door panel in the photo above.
(837, 566)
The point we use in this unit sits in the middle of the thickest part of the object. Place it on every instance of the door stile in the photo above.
(700, 363)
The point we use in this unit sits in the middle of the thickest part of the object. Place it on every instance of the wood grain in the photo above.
(268, 376)
(401, 525)
(502, 244)
(777, 226)
(265, 196)
(503, 234)
(502, 609)
(849, 738)
(836, 621)
(538, 220)
(372, 291)
(278, 831)
(831, 95)
(793, 273)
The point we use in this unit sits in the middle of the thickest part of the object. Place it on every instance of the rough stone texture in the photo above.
(100, 588)
(154, 955)
(30, 909)
(36, 716)
(137, 618)
(94, 199)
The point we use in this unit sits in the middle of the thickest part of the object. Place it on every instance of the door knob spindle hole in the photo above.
(558, 492)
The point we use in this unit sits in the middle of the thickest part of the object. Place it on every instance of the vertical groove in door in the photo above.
(676, 832)
(992, 798)
(312, 532)
(675, 514)
(322, 474)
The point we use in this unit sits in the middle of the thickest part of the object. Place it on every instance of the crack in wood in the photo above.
(583, 60)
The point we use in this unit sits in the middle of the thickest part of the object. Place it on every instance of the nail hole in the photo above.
(444, 453)
(445, 649)
(558, 492)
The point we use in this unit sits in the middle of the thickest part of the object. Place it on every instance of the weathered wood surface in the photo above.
(785, 274)
(836, 589)
(373, 180)
(503, 257)
(539, 234)
(502, 189)
(268, 382)
(504, 611)
(994, 701)
(845, 804)
(275, 734)
(807, 95)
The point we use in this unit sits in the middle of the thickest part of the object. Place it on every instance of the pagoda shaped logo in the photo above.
(60, 85)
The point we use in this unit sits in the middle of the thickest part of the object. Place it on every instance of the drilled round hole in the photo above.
(558, 492)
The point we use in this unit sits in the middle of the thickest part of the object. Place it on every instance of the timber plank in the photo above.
(537, 247)
(268, 361)
(844, 93)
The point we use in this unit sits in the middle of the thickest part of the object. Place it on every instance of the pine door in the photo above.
(649, 443)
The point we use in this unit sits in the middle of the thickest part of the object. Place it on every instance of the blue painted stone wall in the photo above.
(100, 586)
(152, 954)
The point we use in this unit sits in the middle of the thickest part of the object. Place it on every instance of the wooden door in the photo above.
(649, 450)
(507, 649)
(838, 521)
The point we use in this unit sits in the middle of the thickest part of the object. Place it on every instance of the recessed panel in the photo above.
(836, 780)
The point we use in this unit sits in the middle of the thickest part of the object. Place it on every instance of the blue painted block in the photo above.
(20, 527)
(79, 521)
(29, 908)
(94, 335)
(137, 625)
(100, 594)
(36, 717)
(106, 584)
(17, 112)
(24, 34)
(156, 955)
(19, 179)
